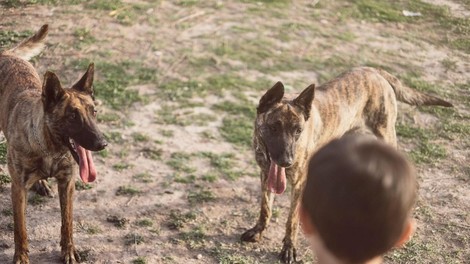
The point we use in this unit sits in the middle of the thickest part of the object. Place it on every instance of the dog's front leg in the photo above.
(288, 252)
(18, 198)
(254, 234)
(66, 189)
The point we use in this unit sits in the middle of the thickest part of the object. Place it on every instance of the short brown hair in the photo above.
(359, 195)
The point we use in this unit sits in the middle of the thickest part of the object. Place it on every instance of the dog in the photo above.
(288, 130)
(49, 130)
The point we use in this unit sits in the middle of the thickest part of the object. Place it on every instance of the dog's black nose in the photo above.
(285, 163)
(102, 144)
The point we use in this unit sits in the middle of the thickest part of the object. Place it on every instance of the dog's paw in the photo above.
(288, 254)
(70, 257)
(21, 258)
(252, 235)
(42, 188)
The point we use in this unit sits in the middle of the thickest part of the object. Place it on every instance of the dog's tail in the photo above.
(32, 46)
(410, 96)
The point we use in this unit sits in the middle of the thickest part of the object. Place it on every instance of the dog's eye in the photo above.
(298, 131)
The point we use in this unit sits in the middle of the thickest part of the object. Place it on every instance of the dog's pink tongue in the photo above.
(276, 178)
(87, 168)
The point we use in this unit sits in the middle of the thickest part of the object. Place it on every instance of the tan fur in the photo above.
(362, 100)
(36, 147)
(30, 47)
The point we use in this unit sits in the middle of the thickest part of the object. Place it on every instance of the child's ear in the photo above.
(306, 222)
(407, 233)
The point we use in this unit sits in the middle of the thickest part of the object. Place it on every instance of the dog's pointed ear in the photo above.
(85, 84)
(271, 97)
(52, 90)
(305, 99)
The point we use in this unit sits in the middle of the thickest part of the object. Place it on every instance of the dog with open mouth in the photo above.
(289, 129)
(49, 130)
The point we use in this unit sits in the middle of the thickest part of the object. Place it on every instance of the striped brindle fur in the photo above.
(289, 129)
(40, 119)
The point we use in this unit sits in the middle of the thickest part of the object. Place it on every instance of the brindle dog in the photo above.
(288, 130)
(49, 130)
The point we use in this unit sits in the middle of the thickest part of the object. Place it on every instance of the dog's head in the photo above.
(281, 122)
(71, 114)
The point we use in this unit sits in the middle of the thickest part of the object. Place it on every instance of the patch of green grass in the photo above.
(449, 64)
(194, 237)
(139, 260)
(153, 154)
(84, 37)
(140, 137)
(114, 81)
(414, 81)
(133, 239)
(107, 5)
(4, 179)
(411, 252)
(210, 177)
(112, 118)
(166, 132)
(187, 3)
(188, 179)
(80, 186)
(207, 134)
(237, 130)
(7, 212)
(3, 152)
(225, 256)
(457, 30)
(269, 2)
(121, 166)
(424, 151)
(8, 38)
(223, 164)
(90, 229)
(143, 177)
(114, 137)
(103, 153)
(171, 116)
(391, 11)
(119, 222)
(179, 161)
(124, 12)
(145, 222)
(17, 3)
(127, 191)
(245, 108)
(177, 220)
(36, 199)
(200, 196)
(176, 90)
(462, 44)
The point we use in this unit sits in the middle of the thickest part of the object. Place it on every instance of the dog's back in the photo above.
(17, 74)
(364, 98)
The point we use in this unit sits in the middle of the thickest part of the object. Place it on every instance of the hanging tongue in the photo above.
(87, 168)
(276, 179)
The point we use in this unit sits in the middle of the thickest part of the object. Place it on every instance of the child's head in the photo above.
(358, 198)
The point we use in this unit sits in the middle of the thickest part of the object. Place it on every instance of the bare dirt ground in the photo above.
(178, 82)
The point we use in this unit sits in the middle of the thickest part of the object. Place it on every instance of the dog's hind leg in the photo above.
(267, 199)
(42, 188)
(18, 198)
(66, 190)
(288, 252)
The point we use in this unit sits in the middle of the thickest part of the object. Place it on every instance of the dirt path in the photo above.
(178, 83)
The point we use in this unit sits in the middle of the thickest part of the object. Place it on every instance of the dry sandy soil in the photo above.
(178, 82)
